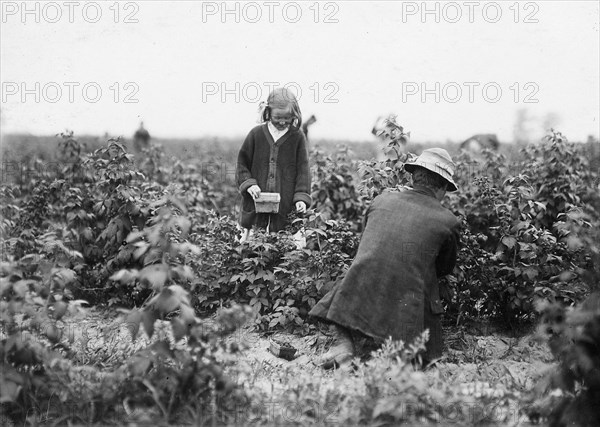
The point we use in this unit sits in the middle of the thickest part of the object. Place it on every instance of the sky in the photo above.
(448, 70)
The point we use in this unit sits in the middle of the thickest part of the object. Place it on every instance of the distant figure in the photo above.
(141, 138)
(478, 142)
(306, 124)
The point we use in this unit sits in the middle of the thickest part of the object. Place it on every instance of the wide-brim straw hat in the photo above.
(436, 160)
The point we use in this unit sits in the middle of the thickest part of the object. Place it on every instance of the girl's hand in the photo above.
(254, 191)
(301, 207)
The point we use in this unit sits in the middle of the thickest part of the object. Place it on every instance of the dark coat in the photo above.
(276, 167)
(391, 288)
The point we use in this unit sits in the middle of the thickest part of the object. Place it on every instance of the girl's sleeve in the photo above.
(243, 175)
(302, 189)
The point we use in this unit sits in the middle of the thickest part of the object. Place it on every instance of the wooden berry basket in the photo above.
(267, 203)
(283, 350)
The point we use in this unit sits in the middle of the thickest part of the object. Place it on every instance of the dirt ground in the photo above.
(467, 359)
(472, 365)
(100, 337)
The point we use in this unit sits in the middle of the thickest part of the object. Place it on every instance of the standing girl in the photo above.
(273, 159)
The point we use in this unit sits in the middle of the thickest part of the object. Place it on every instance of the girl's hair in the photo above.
(282, 98)
(429, 179)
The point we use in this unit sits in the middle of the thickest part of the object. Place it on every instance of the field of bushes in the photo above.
(127, 298)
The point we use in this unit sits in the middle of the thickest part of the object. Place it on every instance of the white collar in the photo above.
(276, 133)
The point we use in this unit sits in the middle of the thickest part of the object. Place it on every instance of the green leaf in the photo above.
(162, 347)
(153, 255)
(21, 287)
(10, 391)
(139, 366)
(180, 328)
(140, 250)
(178, 203)
(567, 276)
(63, 276)
(531, 272)
(135, 236)
(60, 308)
(184, 224)
(187, 314)
(179, 293)
(155, 274)
(166, 302)
(148, 319)
(509, 241)
(183, 272)
(133, 321)
(124, 276)
(53, 333)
